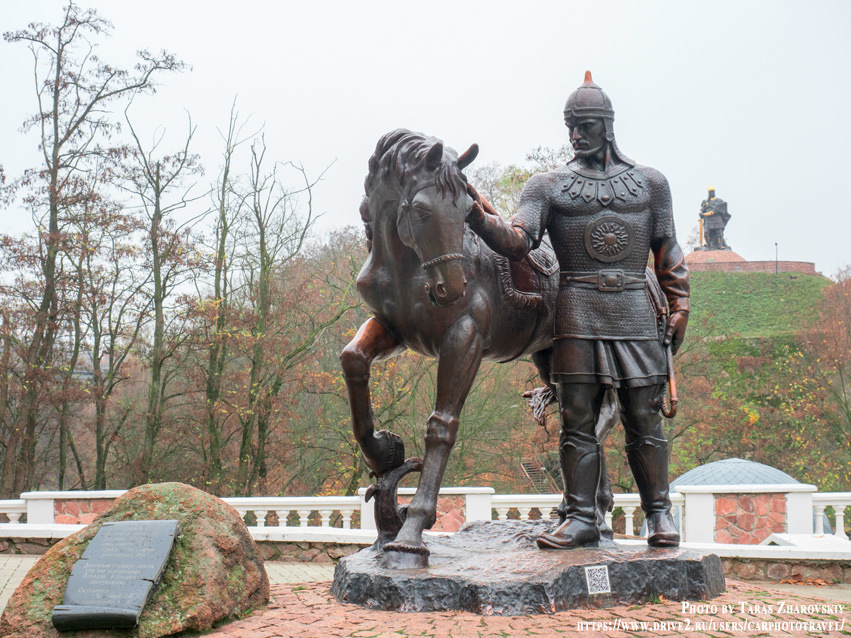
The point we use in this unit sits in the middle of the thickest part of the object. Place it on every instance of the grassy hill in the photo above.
(754, 304)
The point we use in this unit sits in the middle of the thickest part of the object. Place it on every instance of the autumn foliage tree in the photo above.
(157, 182)
(824, 368)
(74, 92)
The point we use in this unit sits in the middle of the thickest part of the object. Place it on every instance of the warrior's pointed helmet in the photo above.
(589, 100)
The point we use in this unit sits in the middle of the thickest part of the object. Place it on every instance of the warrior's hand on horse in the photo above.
(481, 206)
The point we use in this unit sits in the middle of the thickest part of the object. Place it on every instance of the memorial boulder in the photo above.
(214, 571)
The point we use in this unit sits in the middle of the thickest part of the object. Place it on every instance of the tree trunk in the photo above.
(153, 416)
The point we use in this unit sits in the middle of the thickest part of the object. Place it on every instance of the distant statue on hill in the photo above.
(713, 221)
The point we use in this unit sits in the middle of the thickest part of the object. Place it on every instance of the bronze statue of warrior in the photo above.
(714, 216)
(605, 215)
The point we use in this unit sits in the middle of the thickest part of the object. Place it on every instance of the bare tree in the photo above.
(74, 90)
(158, 183)
(114, 311)
(275, 229)
(502, 185)
(217, 310)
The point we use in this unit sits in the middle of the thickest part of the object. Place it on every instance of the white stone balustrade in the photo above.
(700, 514)
(303, 506)
(546, 504)
(41, 506)
(693, 508)
(838, 501)
(477, 503)
(13, 509)
(628, 503)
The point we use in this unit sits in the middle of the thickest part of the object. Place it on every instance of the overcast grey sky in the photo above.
(751, 97)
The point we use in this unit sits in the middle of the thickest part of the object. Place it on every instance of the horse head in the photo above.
(430, 220)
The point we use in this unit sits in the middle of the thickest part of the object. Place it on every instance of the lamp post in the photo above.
(776, 265)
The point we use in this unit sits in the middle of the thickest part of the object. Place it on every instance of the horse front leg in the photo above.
(382, 450)
(460, 357)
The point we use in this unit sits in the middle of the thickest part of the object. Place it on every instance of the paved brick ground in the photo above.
(13, 568)
(12, 571)
(309, 611)
(303, 608)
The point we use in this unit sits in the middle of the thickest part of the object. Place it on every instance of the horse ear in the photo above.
(467, 158)
(434, 156)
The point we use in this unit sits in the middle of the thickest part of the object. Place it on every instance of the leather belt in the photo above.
(603, 280)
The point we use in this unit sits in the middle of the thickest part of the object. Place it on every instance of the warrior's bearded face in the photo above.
(588, 137)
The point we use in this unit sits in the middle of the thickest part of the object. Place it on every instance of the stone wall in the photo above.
(838, 571)
(286, 552)
(748, 519)
(80, 512)
(307, 552)
(804, 267)
(31, 546)
(451, 512)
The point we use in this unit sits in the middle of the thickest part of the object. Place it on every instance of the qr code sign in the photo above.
(597, 578)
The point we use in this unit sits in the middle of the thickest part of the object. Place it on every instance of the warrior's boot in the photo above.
(580, 467)
(605, 503)
(648, 460)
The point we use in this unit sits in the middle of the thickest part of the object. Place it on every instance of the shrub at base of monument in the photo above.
(215, 571)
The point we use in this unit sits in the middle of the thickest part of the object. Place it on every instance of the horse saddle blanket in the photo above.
(522, 281)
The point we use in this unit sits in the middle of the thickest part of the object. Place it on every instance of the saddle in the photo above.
(520, 281)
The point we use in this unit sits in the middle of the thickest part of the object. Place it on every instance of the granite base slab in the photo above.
(494, 568)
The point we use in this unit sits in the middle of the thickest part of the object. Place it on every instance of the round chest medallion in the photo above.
(609, 239)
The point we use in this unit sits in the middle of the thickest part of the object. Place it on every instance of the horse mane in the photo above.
(398, 154)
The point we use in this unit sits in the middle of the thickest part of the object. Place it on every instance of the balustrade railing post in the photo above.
(628, 520)
(819, 514)
(367, 510)
(839, 524)
(799, 512)
(477, 506)
(40, 510)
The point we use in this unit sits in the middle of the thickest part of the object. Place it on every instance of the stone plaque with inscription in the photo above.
(116, 575)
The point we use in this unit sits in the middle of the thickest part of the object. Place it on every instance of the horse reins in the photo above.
(405, 202)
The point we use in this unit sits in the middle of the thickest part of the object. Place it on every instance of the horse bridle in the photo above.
(409, 195)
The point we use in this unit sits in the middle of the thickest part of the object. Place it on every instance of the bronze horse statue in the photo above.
(434, 287)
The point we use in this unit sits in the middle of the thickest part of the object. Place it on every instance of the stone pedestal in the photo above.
(493, 567)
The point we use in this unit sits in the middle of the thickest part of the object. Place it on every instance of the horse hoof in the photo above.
(389, 517)
(404, 556)
(387, 452)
